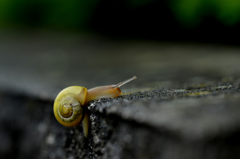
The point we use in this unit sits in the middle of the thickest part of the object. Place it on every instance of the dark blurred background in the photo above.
(47, 45)
(173, 20)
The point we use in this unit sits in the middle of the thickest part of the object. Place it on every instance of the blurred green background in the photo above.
(172, 20)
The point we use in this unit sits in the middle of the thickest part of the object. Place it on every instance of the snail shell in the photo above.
(68, 105)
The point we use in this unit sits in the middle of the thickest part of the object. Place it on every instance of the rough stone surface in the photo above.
(184, 104)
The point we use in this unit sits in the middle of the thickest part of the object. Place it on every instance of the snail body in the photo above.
(70, 104)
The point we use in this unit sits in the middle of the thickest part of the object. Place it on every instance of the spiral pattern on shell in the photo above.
(68, 105)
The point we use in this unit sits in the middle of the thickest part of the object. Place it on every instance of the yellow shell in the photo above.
(68, 105)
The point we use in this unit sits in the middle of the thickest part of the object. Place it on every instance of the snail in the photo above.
(70, 104)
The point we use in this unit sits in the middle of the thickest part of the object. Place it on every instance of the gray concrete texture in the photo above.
(184, 104)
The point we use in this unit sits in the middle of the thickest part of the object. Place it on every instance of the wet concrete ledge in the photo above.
(186, 107)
